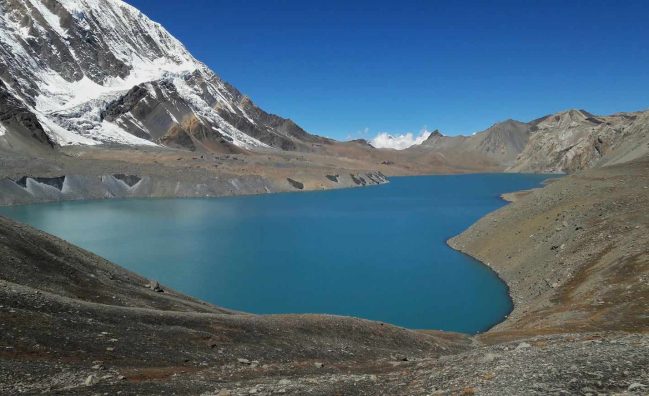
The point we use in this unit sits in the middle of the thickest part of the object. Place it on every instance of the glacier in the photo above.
(100, 72)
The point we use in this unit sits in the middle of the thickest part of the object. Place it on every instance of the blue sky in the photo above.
(356, 68)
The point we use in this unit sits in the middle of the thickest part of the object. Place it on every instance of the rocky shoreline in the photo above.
(89, 174)
(573, 254)
(33, 189)
(563, 241)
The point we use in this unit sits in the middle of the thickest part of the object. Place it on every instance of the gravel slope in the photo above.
(574, 254)
(65, 310)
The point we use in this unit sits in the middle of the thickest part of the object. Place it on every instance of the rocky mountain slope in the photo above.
(499, 144)
(563, 142)
(575, 139)
(78, 73)
(574, 253)
(94, 72)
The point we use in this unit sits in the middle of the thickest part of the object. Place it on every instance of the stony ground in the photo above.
(593, 363)
(574, 254)
(65, 311)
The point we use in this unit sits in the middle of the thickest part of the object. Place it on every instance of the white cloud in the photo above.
(399, 142)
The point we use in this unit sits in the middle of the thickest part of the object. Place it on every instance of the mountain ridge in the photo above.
(94, 88)
(566, 141)
(74, 62)
(500, 143)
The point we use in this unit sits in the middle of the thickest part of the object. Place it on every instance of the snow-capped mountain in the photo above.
(99, 72)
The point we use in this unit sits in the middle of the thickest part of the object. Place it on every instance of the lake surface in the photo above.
(377, 252)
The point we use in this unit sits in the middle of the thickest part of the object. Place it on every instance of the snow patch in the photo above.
(173, 118)
(59, 94)
(120, 136)
(52, 19)
(151, 90)
(137, 123)
(203, 110)
(62, 136)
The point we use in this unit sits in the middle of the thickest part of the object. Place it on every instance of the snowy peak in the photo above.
(100, 71)
(92, 46)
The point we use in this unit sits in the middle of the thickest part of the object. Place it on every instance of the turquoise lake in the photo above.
(378, 252)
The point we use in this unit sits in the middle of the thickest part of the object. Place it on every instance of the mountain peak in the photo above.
(101, 72)
(435, 134)
(563, 119)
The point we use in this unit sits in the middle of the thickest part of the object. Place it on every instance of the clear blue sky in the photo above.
(340, 67)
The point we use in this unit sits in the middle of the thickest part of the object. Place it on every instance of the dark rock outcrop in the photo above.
(22, 126)
(296, 184)
(358, 180)
(56, 182)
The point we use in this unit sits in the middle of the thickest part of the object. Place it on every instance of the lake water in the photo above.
(377, 252)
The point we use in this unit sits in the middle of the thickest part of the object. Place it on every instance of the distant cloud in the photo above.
(399, 142)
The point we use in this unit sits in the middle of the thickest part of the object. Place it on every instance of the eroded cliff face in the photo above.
(36, 189)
